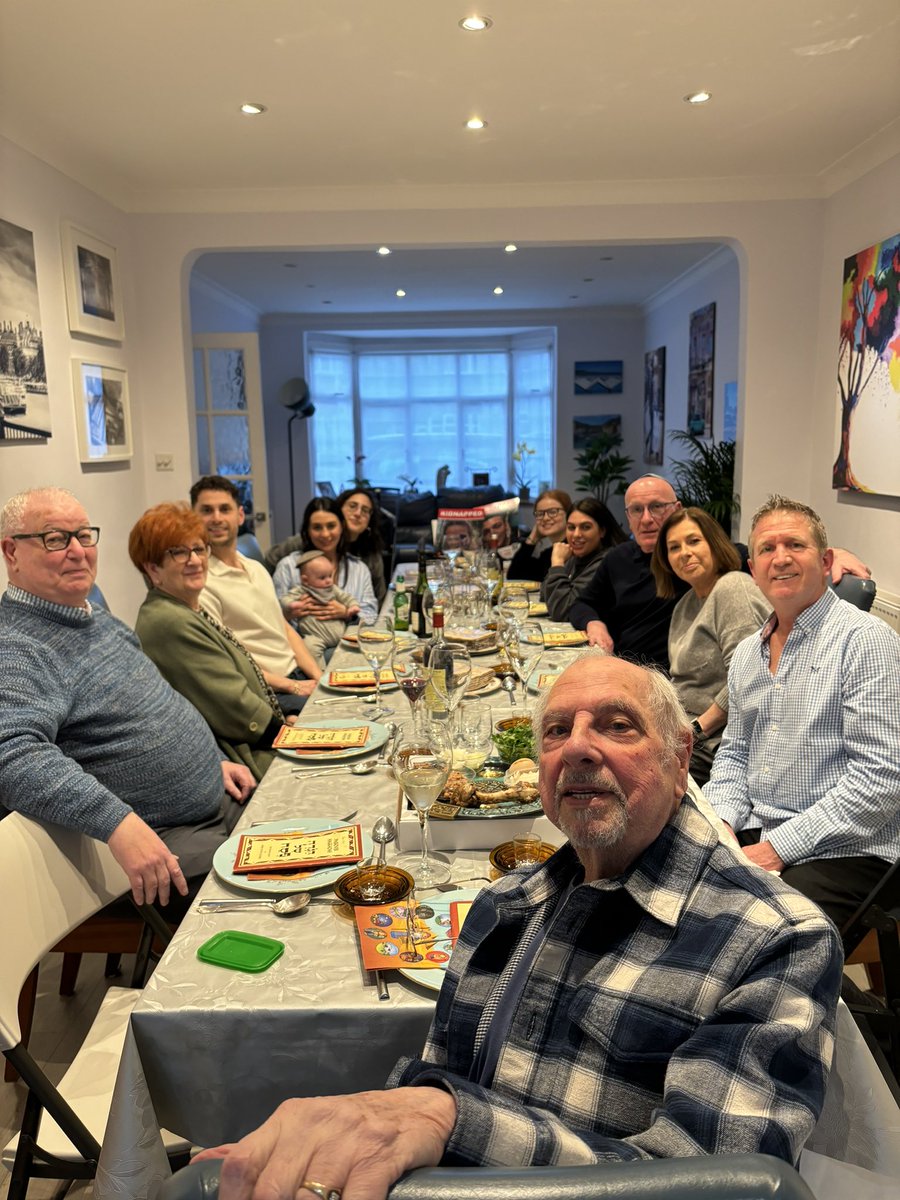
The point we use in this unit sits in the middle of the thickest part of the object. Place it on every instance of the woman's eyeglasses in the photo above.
(362, 509)
(182, 554)
(547, 514)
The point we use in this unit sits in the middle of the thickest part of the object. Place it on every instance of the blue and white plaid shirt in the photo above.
(683, 1008)
(812, 753)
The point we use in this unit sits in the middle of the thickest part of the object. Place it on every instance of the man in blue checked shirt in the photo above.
(808, 773)
(645, 993)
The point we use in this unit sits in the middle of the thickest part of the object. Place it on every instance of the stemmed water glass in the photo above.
(449, 668)
(422, 759)
(413, 681)
(475, 725)
(375, 638)
(513, 603)
(524, 647)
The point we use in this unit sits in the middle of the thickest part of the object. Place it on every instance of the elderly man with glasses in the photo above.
(620, 610)
(91, 735)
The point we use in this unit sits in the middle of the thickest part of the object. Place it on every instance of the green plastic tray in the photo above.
(241, 951)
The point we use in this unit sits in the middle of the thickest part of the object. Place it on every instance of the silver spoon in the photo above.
(285, 907)
(383, 832)
(362, 768)
(508, 683)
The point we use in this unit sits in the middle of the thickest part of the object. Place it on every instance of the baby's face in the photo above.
(317, 573)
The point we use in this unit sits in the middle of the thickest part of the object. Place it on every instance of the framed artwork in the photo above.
(654, 404)
(600, 377)
(701, 359)
(93, 293)
(24, 400)
(729, 418)
(102, 413)
(868, 372)
(585, 429)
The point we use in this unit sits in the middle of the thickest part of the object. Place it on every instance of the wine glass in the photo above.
(375, 638)
(525, 646)
(513, 603)
(413, 682)
(449, 668)
(434, 573)
(475, 725)
(422, 759)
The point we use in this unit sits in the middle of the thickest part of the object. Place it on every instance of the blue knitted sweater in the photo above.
(90, 730)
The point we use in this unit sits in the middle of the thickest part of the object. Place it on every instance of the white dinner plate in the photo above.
(402, 639)
(432, 978)
(487, 689)
(378, 735)
(364, 690)
(223, 859)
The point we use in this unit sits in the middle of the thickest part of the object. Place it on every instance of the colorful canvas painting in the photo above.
(701, 359)
(654, 404)
(585, 429)
(24, 402)
(868, 374)
(601, 377)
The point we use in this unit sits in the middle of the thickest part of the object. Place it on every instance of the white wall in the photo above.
(37, 197)
(860, 215)
(787, 392)
(667, 324)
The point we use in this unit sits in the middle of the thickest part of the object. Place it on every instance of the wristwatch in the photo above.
(697, 731)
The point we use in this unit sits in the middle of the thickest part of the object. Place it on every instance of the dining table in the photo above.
(211, 1052)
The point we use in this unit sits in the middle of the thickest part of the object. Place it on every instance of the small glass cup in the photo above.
(526, 849)
(370, 879)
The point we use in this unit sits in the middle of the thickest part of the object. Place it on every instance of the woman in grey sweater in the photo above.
(722, 608)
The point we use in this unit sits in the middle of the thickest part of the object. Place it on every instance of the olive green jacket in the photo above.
(204, 666)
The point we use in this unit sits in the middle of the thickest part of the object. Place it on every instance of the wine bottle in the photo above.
(433, 660)
(401, 606)
(419, 608)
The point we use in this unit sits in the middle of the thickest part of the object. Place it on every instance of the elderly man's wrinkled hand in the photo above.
(238, 779)
(598, 635)
(151, 867)
(357, 1146)
(846, 563)
(764, 856)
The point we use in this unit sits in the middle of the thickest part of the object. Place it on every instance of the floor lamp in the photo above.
(295, 395)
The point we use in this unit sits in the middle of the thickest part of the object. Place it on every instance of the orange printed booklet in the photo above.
(360, 678)
(390, 936)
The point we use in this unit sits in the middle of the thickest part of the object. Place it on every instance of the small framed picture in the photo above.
(102, 412)
(93, 292)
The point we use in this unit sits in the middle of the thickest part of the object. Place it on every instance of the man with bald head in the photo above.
(645, 993)
(91, 735)
(619, 609)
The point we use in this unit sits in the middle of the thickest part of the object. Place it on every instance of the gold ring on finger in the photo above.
(320, 1190)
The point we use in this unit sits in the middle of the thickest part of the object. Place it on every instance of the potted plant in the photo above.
(706, 478)
(358, 479)
(604, 471)
(523, 482)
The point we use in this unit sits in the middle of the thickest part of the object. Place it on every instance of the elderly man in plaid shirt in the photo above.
(808, 772)
(644, 993)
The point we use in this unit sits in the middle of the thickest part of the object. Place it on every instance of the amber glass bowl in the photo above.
(502, 856)
(397, 885)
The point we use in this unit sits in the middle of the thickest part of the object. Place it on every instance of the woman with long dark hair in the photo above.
(591, 530)
(323, 529)
(362, 530)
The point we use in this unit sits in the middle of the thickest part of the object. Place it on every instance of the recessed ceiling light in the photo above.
(475, 24)
(290, 266)
(400, 292)
(588, 279)
(475, 123)
(498, 291)
(383, 250)
(252, 110)
(326, 301)
(510, 247)
(697, 98)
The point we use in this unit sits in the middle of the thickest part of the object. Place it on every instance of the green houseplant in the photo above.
(604, 471)
(706, 478)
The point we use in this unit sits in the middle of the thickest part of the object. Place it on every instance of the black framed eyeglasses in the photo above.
(543, 514)
(58, 539)
(655, 509)
(182, 554)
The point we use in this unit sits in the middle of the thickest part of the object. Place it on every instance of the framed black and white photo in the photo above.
(93, 293)
(102, 413)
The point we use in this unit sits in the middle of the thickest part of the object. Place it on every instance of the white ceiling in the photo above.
(367, 101)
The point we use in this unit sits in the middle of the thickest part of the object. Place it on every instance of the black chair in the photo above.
(872, 935)
(855, 590)
(717, 1177)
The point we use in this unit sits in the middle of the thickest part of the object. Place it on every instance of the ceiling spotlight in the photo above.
(253, 110)
(697, 98)
(383, 250)
(475, 123)
(510, 247)
(475, 24)
(498, 291)
(290, 266)
(400, 292)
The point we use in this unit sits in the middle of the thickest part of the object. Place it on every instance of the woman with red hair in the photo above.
(199, 657)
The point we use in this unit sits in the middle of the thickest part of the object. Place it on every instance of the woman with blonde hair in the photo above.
(723, 607)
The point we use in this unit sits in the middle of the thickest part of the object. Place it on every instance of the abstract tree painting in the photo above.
(869, 372)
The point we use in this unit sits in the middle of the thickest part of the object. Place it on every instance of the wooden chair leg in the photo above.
(27, 998)
(69, 974)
